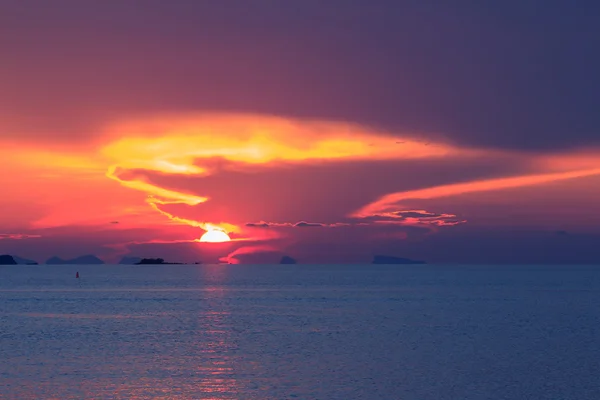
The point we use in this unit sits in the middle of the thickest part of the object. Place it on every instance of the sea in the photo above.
(422, 332)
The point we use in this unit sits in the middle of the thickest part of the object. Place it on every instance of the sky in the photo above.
(329, 131)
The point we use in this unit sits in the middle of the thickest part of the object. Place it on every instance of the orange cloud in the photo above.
(392, 201)
(55, 188)
(173, 144)
(70, 186)
(185, 145)
(577, 160)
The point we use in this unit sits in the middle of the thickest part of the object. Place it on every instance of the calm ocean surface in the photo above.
(300, 332)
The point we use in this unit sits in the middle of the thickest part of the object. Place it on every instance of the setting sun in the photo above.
(215, 236)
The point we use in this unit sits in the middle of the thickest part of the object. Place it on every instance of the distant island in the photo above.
(90, 259)
(24, 261)
(155, 261)
(6, 259)
(83, 260)
(381, 259)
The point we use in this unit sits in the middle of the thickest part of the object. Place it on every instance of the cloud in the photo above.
(351, 150)
(453, 89)
(258, 225)
(393, 200)
(301, 224)
(183, 148)
(403, 217)
(18, 236)
(167, 173)
(186, 146)
(414, 217)
(304, 224)
(187, 173)
(416, 214)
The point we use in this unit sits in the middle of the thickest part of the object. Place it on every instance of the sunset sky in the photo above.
(327, 130)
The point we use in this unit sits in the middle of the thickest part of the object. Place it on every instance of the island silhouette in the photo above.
(90, 259)
(287, 260)
(155, 261)
(6, 259)
(24, 261)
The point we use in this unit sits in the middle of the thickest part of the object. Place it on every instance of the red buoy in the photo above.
(77, 274)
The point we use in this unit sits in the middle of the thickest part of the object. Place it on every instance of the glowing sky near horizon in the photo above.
(137, 140)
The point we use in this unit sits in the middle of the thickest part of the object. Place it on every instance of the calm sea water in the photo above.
(300, 332)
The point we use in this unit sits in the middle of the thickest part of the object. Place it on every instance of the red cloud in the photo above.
(17, 236)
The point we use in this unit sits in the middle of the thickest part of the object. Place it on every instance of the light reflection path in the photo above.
(202, 334)
(139, 342)
(216, 345)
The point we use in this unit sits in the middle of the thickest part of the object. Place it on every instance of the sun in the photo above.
(215, 236)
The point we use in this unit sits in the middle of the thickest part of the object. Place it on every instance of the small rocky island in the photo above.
(287, 260)
(24, 261)
(382, 259)
(6, 259)
(154, 261)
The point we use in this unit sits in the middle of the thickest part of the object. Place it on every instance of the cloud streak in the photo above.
(301, 224)
(393, 200)
(18, 236)
(216, 171)
(187, 146)
(417, 218)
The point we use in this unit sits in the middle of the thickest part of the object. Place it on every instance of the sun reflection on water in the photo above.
(130, 344)
(216, 346)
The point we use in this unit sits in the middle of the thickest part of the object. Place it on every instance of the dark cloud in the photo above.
(258, 225)
(416, 214)
(408, 218)
(502, 74)
(303, 224)
(426, 217)
(412, 218)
